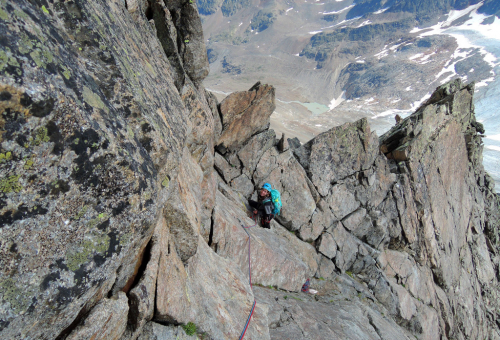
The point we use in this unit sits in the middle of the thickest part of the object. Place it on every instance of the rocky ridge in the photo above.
(124, 185)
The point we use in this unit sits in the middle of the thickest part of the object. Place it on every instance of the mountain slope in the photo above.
(334, 62)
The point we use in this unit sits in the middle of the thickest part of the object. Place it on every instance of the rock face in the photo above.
(124, 184)
(244, 114)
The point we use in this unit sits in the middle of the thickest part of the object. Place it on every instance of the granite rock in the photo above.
(245, 114)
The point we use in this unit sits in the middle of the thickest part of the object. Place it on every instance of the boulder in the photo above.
(243, 184)
(303, 250)
(347, 247)
(227, 171)
(327, 246)
(326, 268)
(235, 196)
(283, 143)
(342, 201)
(321, 219)
(352, 221)
(416, 279)
(338, 153)
(253, 150)
(245, 114)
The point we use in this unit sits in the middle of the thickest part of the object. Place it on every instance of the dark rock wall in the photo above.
(92, 129)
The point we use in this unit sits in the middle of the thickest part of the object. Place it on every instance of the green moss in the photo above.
(41, 136)
(125, 239)
(29, 164)
(66, 73)
(21, 14)
(4, 15)
(165, 182)
(5, 157)
(10, 184)
(130, 132)
(25, 45)
(35, 55)
(350, 274)
(17, 297)
(47, 55)
(6, 59)
(97, 244)
(45, 10)
(190, 328)
(93, 99)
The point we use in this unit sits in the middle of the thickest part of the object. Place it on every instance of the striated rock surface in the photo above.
(274, 260)
(124, 187)
(107, 320)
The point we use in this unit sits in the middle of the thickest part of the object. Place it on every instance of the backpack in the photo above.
(276, 199)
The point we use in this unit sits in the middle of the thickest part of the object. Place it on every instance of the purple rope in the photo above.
(249, 278)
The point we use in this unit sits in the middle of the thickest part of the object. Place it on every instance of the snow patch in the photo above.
(364, 23)
(315, 32)
(484, 82)
(340, 23)
(493, 147)
(382, 54)
(494, 137)
(465, 46)
(336, 101)
(403, 113)
(416, 56)
(381, 10)
(337, 12)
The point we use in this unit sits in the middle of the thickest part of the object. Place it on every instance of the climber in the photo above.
(264, 205)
